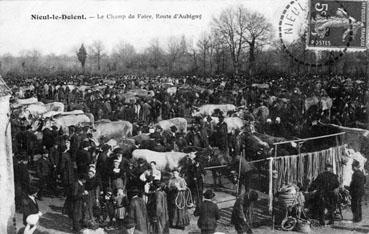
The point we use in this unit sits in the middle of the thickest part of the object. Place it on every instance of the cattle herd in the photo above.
(173, 121)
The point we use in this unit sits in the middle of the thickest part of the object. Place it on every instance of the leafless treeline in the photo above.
(238, 41)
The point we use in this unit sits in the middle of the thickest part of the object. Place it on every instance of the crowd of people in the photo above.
(104, 187)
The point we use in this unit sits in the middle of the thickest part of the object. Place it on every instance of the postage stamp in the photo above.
(308, 27)
(333, 24)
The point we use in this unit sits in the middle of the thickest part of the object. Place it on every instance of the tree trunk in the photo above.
(252, 56)
(98, 62)
(204, 63)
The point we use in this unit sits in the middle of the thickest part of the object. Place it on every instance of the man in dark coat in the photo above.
(22, 178)
(357, 191)
(75, 141)
(44, 168)
(240, 214)
(222, 135)
(83, 158)
(78, 197)
(195, 173)
(68, 177)
(29, 204)
(137, 220)
(326, 183)
(208, 213)
(157, 209)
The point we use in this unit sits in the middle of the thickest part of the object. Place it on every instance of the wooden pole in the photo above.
(238, 192)
(271, 190)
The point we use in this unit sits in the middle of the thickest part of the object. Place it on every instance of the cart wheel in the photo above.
(289, 223)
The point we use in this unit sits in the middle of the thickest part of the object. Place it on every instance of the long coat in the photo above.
(67, 169)
(157, 209)
(29, 207)
(83, 160)
(222, 136)
(238, 218)
(137, 216)
(208, 213)
(78, 200)
(357, 189)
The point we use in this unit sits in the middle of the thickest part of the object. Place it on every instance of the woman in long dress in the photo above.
(178, 215)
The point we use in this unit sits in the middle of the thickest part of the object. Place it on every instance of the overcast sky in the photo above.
(19, 33)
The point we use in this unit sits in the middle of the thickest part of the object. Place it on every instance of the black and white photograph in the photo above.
(184, 116)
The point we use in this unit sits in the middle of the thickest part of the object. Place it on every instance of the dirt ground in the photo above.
(52, 221)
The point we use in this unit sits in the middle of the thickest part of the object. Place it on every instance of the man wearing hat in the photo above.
(78, 197)
(222, 135)
(137, 220)
(83, 157)
(357, 191)
(92, 186)
(157, 209)
(22, 178)
(240, 213)
(326, 184)
(29, 203)
(208, 213)
(44, 169)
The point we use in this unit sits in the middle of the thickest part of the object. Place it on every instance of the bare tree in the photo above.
(124, 55)
(97, 50)
(258, 33)
(203, 45)
(230, 29)
(155, 54)
(174, 51)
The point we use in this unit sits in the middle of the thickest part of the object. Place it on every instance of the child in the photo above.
(107, 208)
(121, 203)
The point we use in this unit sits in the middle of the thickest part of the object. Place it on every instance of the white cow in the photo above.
(112, 130)
(21, 102)
(68, 120)
(233, 123)
(164, 160)
(180, 123)
(50, 114)
(209, 109)
(35, 109)
(55, 106)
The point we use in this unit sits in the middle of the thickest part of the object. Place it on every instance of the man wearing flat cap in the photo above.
(357, 191)
(326, 184)
(208, 213)
(29, 203)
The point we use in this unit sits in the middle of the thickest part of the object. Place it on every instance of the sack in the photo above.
(303, 226)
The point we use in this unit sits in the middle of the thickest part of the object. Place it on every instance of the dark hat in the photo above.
(173, 128)
(82, 176)
(32, 190)
(175, 169)
(252, 196)
(209, 194)
(85, 144)
(105, 147)
(356, 163)
(328, 165)
(118, 151)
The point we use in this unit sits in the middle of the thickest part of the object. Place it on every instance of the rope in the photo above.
(184, 199)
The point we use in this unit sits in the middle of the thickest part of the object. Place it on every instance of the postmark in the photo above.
(300, 32)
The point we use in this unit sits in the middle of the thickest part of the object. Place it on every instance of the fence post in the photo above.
(271, 198)
(238, 192)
